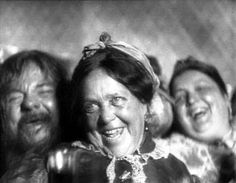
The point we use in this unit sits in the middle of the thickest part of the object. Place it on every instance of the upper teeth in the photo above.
(196, 114)
(112, 133)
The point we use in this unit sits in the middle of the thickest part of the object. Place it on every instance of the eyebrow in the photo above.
(115, 94)
(180, 89)
(13, 90)
(108, 96)
(45, 84)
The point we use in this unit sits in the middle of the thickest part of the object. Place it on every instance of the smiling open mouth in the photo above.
(199, 115)
(112, 134)
(34, 121)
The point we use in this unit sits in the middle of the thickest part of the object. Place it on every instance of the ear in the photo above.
(230, 112)
(229, 90)
(228, 103)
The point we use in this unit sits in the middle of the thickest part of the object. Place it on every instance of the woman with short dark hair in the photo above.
(113, 85)
(203, 113)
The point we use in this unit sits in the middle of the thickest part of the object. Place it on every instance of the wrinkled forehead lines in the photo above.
(34, 69)
(30, 74)
(110, 87)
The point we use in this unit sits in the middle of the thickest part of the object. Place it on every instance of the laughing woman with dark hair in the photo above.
(113, 86)
(203, 113)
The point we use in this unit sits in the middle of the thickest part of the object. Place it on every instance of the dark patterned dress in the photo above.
(152, 163)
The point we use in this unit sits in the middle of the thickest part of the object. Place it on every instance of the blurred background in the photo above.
(166, 29)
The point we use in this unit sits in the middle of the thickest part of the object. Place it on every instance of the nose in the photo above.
(30, 102)
(107, 114)
(191, 98)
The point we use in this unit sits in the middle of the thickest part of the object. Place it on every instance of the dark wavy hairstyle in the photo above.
(190, 63)
(119, 66)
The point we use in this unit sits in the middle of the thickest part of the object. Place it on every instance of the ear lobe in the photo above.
(230, 113)
(228, 102)
(229, 90)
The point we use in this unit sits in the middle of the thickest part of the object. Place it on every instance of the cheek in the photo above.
(135, 118)
(181, 112)
(182, 117)
(52, 107)
(217, 103)
(211, 98)
(12, 117)
(221, 109)
(50, 104)
(91, 121)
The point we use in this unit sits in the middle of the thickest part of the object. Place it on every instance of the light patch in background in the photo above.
(6, 51)
(168, 30)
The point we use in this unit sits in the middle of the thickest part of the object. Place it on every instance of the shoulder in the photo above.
(30, 169)
(196, 156)
(167, 158)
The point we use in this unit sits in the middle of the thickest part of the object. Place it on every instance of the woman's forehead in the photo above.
(194, 78)
(99, 81)
(191, 75)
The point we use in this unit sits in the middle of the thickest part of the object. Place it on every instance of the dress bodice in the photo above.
(151, 163)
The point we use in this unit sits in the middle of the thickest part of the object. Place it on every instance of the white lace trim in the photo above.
(137, 162)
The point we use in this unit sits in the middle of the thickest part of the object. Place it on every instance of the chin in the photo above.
(117, 151)
(203, 138)
(46, 140)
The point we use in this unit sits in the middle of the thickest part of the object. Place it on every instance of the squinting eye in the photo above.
(46, 93)
(118, 101)
(203, 89)
(180, 99)
(90, 107)
(14, 99)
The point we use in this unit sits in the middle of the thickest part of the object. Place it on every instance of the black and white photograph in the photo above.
(117, 91)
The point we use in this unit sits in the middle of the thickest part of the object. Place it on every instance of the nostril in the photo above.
(29, 103)
(106, 116)
(191, 98)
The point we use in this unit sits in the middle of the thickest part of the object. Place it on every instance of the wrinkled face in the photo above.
(202, 110)
(31, 109)
(114, 117)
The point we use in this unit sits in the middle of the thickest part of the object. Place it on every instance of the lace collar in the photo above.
(151, 149)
